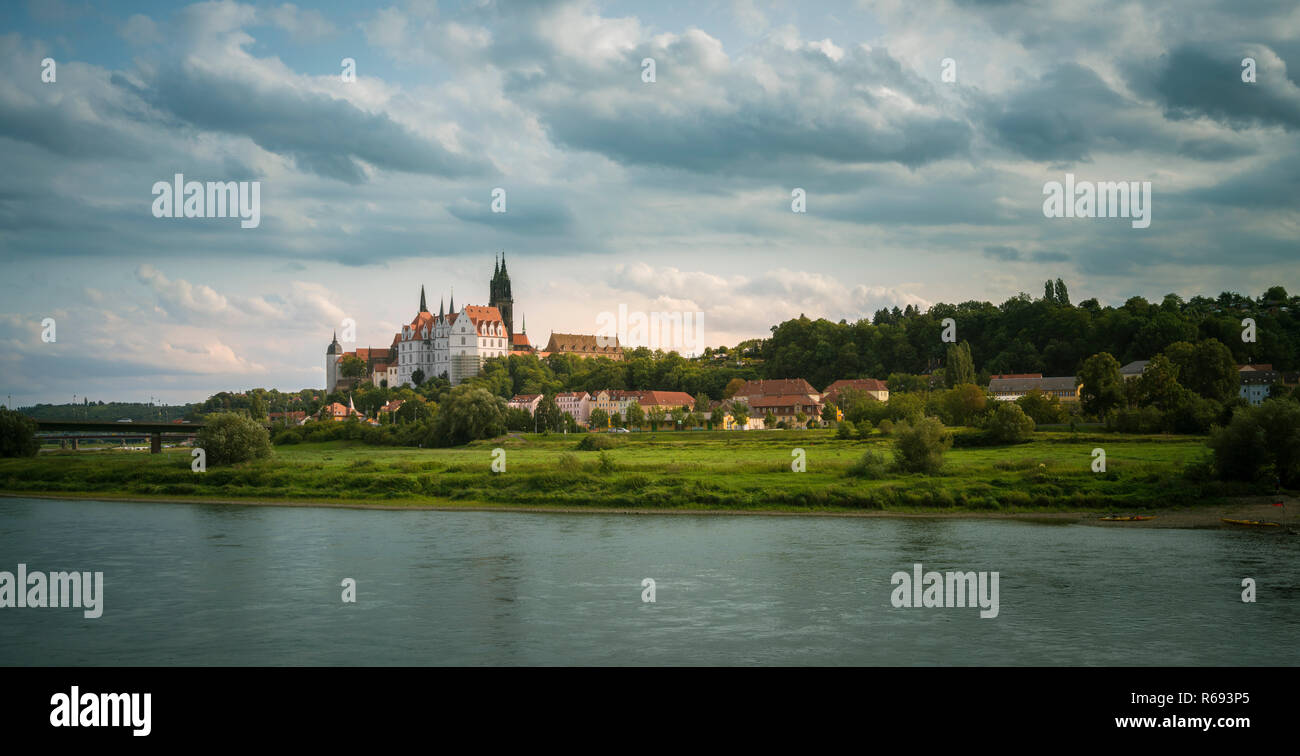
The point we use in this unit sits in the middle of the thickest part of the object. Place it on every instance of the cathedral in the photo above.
(454, 343)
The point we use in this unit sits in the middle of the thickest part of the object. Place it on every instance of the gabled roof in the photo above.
(777, 387)
(666, 399)
(1022, 385)
(582, 343)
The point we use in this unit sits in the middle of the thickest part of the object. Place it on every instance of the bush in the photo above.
(864, 429)
(17, 435)
(871, 466)
(596, 442)
(227, 438)
(920, 445)
(606, 464)
(1259, 441)
(886, 427)
(846, 430)
(568, 463)
(1010, 424)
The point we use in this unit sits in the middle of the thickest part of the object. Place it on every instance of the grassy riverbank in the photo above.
(734, 471)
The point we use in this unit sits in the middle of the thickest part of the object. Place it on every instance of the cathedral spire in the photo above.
(496, 267)
(441, 309)
(525, 328)
(503, 261)
(423, 306)
(452, 307)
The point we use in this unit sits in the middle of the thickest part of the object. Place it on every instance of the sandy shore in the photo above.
(1254, 508)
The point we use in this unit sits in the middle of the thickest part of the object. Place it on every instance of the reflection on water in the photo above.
(226, 585)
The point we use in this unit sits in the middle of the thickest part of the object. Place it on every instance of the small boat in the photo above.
(1255, 523)
(1127, 518)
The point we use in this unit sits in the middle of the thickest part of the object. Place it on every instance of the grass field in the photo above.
(669, 470)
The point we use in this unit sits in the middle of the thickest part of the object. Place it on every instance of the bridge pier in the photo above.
(155, 443)
(74, 444)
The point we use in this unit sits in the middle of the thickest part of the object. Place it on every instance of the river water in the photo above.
(229, 585)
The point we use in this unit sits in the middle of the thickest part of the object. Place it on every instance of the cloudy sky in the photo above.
(666, 196)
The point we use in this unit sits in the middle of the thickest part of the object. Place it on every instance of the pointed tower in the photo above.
(423, 306)
(441, 310)
(500, 298)
(451, 308)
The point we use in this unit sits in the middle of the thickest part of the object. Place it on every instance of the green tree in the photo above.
(229, 437)
(598, 418)
(964, 403)
(1258, 441)
(656, 417)
(256, 407)
(959, 368)
(920, 445)
(17, 435)
(417, 378)
(1207, 368)
(635, 415)
(717, 416)
(468, 413)
(352, 366)
(548, 415)
(740, 414)
(846, 430)
(829, 413)
(1042, 408)
(1010, 424)
(769, 419)
(733, 385)
(1103, 386)
(1158, 385)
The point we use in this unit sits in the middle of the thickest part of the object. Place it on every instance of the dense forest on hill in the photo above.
(1049, 335)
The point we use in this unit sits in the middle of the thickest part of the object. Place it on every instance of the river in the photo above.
(195, 584)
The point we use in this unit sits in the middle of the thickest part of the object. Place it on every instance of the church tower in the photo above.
(332, 353)
(499, 296)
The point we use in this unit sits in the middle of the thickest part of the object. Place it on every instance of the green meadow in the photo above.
(691, 470)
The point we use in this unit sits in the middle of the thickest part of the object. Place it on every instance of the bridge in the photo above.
(72, 430)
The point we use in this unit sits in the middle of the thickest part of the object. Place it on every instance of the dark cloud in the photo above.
(323, 135)
(1194, 81)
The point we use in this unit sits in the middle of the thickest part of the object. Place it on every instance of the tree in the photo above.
(256, 407)
(1158, 385)
(740, 413)
(352, 366)
(598, 418)
(716, 417)
(846, 430)
(959, 368)
(548, 415)
(229, 437)
(829, 413)
(656, 417)
(1103, 386)
(905, 407)
(1010, 424)
(920, 445)
(1062, 296)
(17, 435)
(1207, 368)
(635, 415)
(733, 385)
(1042, 408)
(616, 420)
(679, 415)
(417, 378)
(769, 420)
(469, 413)
(1049, 292)
(1259, 440)
(964, 402)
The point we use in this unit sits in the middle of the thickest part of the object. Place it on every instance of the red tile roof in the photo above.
(666, 399)
(776, 387)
